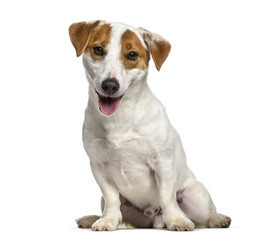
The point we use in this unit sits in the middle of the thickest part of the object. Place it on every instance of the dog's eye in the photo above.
(98, 51)
(132, 56)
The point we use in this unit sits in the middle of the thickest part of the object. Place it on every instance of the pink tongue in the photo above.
(108, 105)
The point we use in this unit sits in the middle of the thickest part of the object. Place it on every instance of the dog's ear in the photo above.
(80, 34)
(158, 47)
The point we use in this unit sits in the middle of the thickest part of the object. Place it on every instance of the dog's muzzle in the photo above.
(108, 104)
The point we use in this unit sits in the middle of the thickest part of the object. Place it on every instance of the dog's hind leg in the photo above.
(197, 204)
(87, 221)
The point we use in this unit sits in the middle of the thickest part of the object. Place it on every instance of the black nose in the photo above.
(110, 86)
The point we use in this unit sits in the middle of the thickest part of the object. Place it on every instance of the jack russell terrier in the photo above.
(136, 156)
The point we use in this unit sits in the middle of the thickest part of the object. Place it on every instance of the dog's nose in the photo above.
(110, 86)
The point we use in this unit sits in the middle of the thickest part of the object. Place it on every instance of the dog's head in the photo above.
(115, 57)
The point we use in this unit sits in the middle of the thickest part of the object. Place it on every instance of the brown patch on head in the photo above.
(80, 33)
(85, 36)
(131, 43)
(99, 38)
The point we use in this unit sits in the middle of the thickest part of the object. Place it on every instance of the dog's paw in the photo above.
(105, 224)
(219, 221)
(180, 224)
(87, 221)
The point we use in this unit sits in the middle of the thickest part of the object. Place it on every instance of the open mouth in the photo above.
(108, 105)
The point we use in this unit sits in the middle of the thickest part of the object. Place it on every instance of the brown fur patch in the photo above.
(131, 43)
(159, 52)
(80, 33)
(159, 47)
(99, 38)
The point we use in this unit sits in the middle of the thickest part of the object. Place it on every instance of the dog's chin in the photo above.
(108, 105)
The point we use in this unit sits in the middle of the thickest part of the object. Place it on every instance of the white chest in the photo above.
(127, 165)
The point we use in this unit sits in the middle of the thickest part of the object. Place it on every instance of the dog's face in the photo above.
(115, 57)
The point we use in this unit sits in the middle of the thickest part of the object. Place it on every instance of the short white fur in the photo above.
(136, 152)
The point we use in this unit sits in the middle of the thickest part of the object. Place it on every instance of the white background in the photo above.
(208, 85)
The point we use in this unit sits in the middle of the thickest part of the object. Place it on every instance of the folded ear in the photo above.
(80, 34)
(158, 47)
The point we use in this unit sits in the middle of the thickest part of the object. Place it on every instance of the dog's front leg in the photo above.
(111, 215)
(173, 216)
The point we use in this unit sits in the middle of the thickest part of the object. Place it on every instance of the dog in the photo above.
(136, 156)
